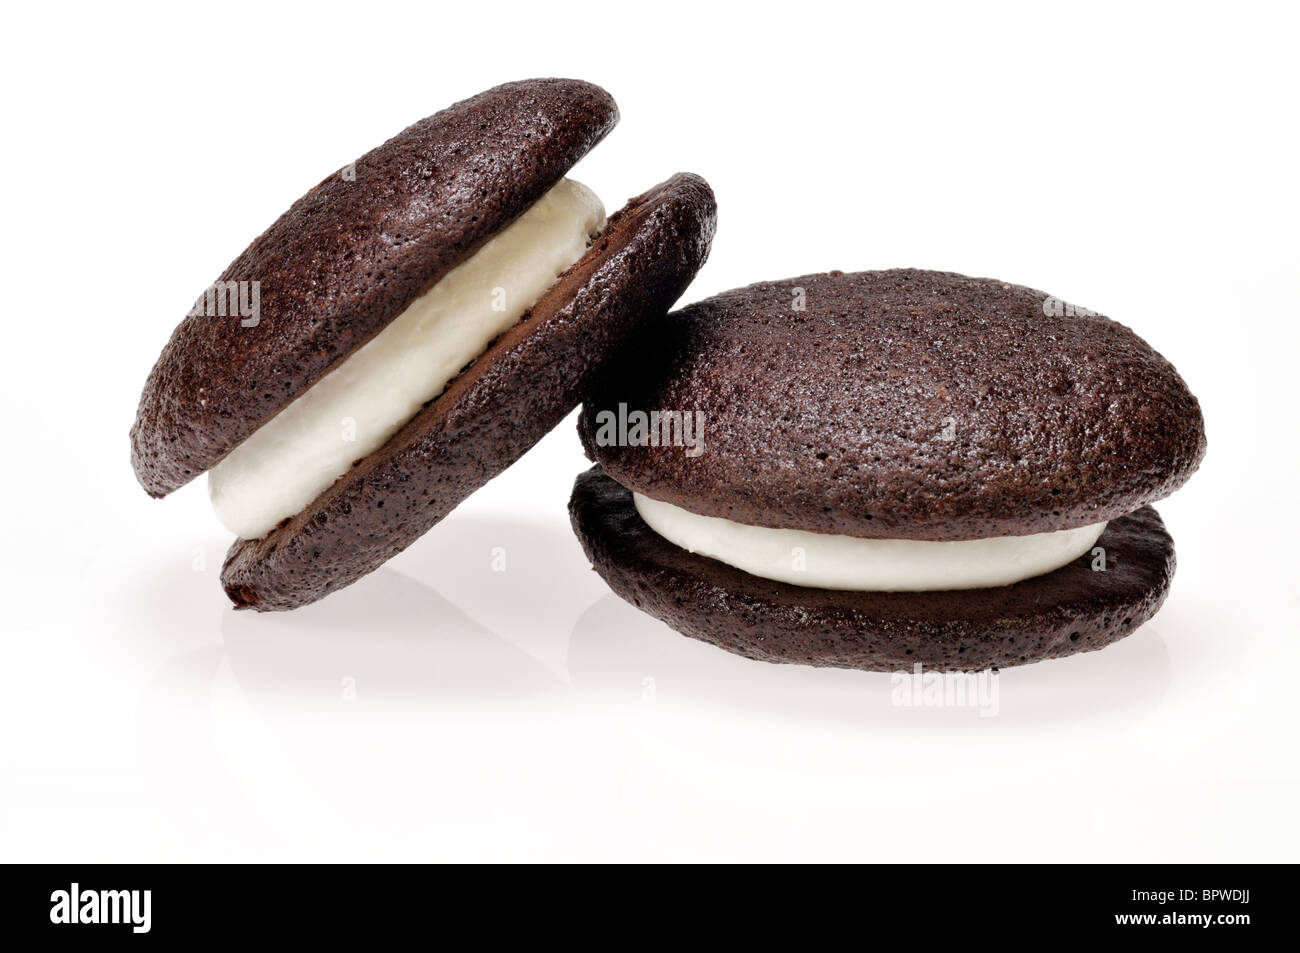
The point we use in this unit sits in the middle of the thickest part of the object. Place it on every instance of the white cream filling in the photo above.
(354, 409)
(828, 561)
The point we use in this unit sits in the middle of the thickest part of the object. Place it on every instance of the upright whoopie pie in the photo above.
(888, 468)
(408, 329)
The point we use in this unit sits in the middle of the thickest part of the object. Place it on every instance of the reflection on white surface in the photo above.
(389, 694)
(394, 639)
(614, 646)
(526, 713)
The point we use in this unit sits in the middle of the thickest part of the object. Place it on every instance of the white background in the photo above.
(1139, 162)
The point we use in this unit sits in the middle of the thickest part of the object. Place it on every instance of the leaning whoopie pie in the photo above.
(881, 469)
(406, 331)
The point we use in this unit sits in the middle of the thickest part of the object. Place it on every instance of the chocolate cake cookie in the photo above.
(888, 468)
(404, 332)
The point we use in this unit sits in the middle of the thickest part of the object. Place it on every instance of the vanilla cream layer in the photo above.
(354, 409)
(827, 561)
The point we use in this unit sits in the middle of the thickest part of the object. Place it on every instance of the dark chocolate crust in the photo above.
(349, 256)
(904, 404)
(1074, 609)
(525, 384)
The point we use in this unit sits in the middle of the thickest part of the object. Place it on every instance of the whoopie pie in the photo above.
(889, 468)
(406, 331)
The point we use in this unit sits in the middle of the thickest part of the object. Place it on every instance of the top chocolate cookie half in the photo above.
(347, 258)
(900, 404)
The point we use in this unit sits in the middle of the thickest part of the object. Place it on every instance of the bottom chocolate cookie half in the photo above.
(1075, 609)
